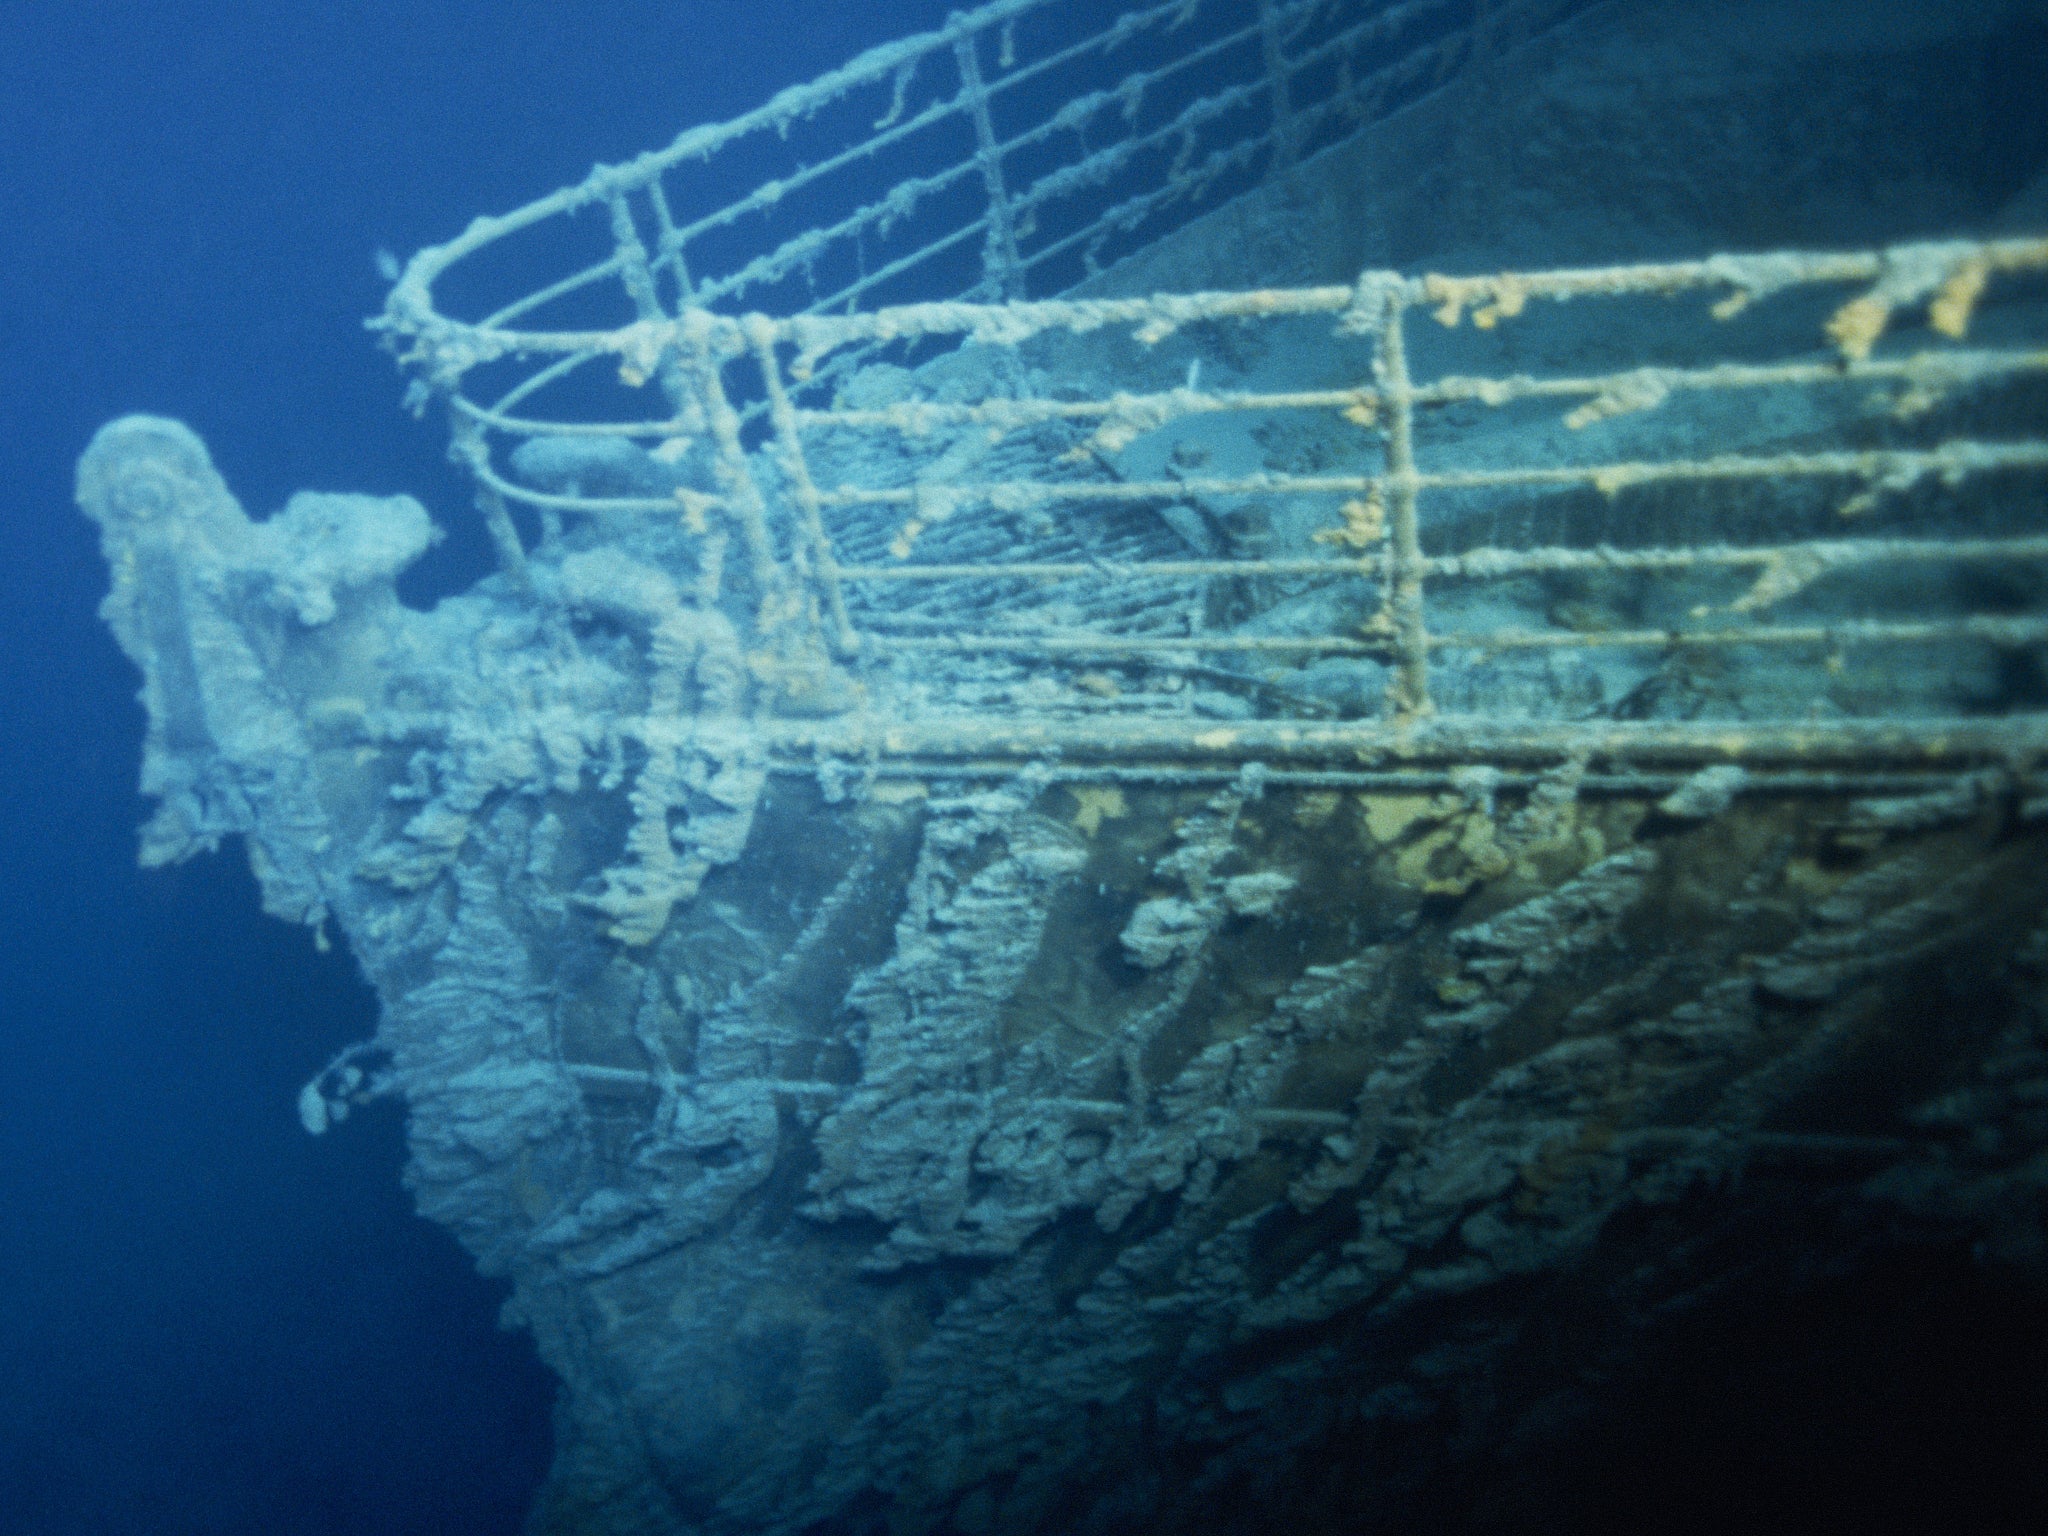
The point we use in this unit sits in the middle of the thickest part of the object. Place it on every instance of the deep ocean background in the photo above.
(210, 1322)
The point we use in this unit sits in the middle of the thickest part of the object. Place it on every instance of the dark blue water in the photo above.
(209, 1322)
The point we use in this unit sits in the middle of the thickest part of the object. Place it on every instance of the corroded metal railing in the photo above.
(841, 503)
(1375, 527)
(1016, 150)
(1024, 142)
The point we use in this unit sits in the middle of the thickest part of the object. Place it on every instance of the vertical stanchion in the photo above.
(824, 566)
(1001, 273)
(743, 500)
(636, 274)
(468, 449)
(634, 271)
(671, 243)
(1409, 694)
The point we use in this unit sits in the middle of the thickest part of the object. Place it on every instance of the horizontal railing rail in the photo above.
(1008, 523)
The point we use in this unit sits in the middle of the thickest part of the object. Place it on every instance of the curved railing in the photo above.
(887, 527)
(1013, 152)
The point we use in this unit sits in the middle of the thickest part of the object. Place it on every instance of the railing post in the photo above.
(1001, 272)
(670, 243)
(467, 449)
(636, 273)
(744, 504)
(1409, 692)
(818, 562)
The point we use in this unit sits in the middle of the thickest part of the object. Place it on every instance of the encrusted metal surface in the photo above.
(1770, 443)
(1060, 914)
(1389, 526)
